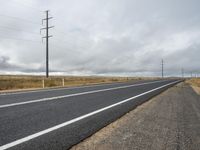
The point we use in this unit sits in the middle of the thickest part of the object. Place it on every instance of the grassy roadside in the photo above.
(195, 84)
(11, 82)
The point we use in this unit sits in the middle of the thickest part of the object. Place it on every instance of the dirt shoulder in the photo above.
(169, 121)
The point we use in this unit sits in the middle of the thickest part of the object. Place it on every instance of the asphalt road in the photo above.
(170, 121)
(60, 118)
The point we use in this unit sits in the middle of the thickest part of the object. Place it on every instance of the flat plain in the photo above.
(16, 82)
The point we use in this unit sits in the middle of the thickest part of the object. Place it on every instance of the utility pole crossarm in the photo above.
(44, 37)
(46, 28)
(47, 18)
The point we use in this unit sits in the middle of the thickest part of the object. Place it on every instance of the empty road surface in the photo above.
(60, 118)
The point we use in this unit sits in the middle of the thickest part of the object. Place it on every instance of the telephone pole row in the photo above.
(182, 72)
(162, 68)
(47, 39)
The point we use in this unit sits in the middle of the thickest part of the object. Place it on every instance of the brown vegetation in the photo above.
(10, 82)
(195, 83)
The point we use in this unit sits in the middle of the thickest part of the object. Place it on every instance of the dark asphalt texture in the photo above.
(10, 98)
(20, 121)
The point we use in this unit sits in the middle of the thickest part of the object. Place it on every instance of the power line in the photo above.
(37, 23)
(18, 18)
(18, 39)
(25, 4)
(11, 28)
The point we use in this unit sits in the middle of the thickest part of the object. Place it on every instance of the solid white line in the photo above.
(76, 94)
(59, 88)
(30, 137)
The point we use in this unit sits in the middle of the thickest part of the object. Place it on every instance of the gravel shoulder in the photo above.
(169, 121)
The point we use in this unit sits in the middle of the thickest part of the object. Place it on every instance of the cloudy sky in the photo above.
(101, 37)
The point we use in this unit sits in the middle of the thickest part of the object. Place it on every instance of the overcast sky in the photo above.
(101, 37)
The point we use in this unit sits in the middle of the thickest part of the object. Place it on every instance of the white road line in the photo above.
(71, 95)
(30, 137)
(59, 88)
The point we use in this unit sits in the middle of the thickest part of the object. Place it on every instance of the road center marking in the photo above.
(59, 88)
(76, 94)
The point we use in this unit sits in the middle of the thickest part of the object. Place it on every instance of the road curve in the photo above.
(60, 118)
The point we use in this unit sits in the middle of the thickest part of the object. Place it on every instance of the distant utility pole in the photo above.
(196, 75)
(162, 68)
(47, 39)
(182, 72)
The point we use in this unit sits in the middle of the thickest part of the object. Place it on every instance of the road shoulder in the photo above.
(168, 121)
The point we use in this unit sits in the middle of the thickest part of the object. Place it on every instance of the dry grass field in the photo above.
(10, 82)
(195, 83)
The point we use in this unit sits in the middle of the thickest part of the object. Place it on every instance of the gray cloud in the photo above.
(5, 65)
(115, 37)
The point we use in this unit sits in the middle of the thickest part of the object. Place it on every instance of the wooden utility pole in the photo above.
(162, 68)
(182, 72)
(47, 39)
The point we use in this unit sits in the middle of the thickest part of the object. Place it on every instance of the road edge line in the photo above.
(35, 135)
